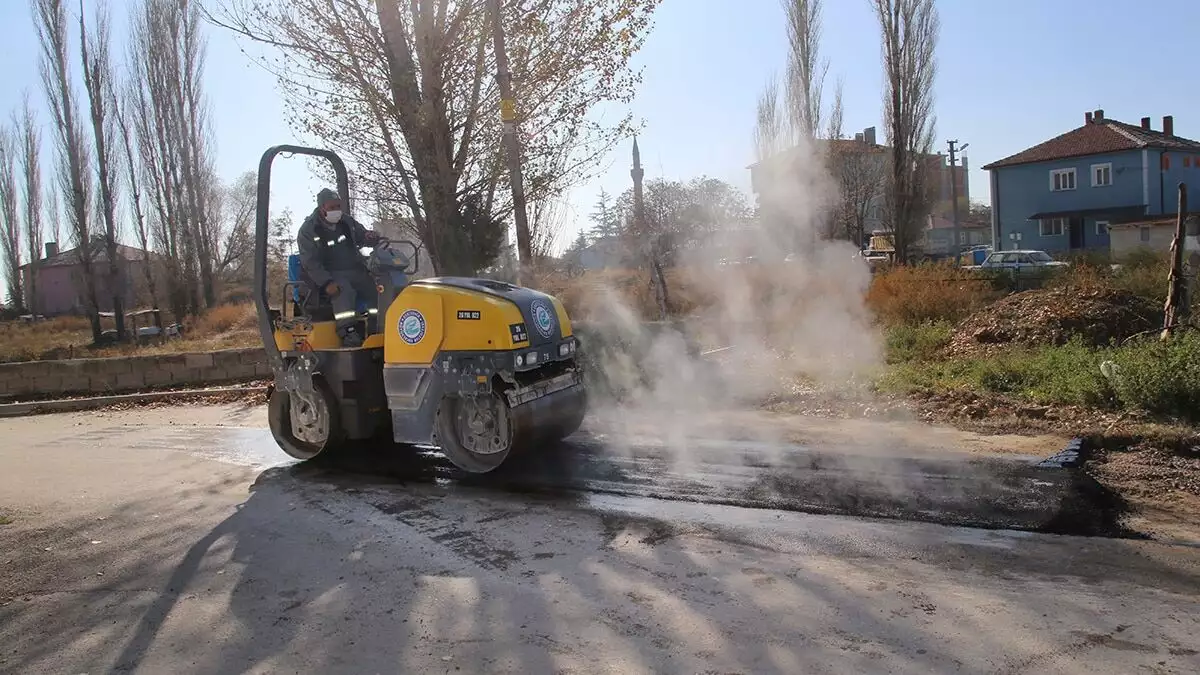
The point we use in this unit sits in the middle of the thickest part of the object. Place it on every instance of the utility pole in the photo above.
(956, 245)
(512, 144)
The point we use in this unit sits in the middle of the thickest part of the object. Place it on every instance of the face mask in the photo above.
(333, 216)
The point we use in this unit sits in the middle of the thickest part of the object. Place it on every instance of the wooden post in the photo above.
(1173, 310)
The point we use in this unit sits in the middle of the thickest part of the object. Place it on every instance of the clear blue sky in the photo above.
(1011, 74)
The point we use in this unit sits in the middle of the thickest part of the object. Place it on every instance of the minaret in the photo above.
(637, 173)
(648, 246)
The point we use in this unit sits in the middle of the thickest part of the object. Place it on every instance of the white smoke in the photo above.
(785, 323)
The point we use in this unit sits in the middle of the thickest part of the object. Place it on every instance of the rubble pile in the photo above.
(1098, 316)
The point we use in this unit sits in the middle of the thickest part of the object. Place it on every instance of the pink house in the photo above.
(59, 280)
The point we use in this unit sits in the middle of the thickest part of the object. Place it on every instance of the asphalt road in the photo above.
(195, 547)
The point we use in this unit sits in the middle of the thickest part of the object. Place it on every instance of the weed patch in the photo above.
(1162, 379)
(919, 342)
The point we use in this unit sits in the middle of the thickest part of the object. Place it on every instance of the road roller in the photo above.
(482, 369)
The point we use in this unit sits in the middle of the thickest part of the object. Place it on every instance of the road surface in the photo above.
(179, 540)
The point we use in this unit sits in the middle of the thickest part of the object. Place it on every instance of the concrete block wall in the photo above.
(128, 374)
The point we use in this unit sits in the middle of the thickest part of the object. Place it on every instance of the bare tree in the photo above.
(158, 160)
(681, 215)
(31, 193)
(833, 129)
(769, 123)
(233, 214)
(185, 19)
(829, 222)
(909, 31)
(860, 173)
(97, 80)
(404, 90)
(74, 179)
(547, 218)
(170, 122)
(10, 217)
(54, 206)
(130, 161)
(805, 70)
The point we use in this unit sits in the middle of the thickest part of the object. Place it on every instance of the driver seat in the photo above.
(311, 301)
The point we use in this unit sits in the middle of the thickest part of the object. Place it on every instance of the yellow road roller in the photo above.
(479, 368)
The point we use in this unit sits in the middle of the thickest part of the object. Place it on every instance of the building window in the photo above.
(1145, 234)
(1101, 175)
(1062, 179)
(1166, 162)
(1101, 227)
(1187, 162)
(1053, 227)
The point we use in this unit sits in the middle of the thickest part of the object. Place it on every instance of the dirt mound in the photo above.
(1053, 317)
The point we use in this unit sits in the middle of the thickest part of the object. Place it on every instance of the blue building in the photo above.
(1062, 195)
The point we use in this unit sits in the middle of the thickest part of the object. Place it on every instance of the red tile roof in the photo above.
(1096, 138)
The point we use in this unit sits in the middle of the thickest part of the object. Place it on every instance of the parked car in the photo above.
(1021, 261)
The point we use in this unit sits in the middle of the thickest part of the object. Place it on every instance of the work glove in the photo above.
(332, 289)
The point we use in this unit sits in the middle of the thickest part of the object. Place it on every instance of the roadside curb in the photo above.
(1069, 457)
(79, 404)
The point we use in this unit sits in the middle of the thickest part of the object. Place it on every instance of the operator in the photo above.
(329, 244)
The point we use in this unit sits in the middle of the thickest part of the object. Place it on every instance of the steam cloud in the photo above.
(784, 322)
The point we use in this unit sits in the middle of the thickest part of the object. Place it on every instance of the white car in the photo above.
(1021, 260)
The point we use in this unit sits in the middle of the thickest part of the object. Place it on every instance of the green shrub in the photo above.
(1066, 375)
(916, 342)
(1069, 374)
(1144, 272)
(1161, 378)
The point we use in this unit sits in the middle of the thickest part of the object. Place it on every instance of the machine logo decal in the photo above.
(412, 326)
(543, 318)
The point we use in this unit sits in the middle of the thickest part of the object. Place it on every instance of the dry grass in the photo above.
(589, 297)
(915, 295)
(224, 319)
(1143, 273)
(55, 338)
(69, 337)
(912, 295)
(691, 290)
(897, 295)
